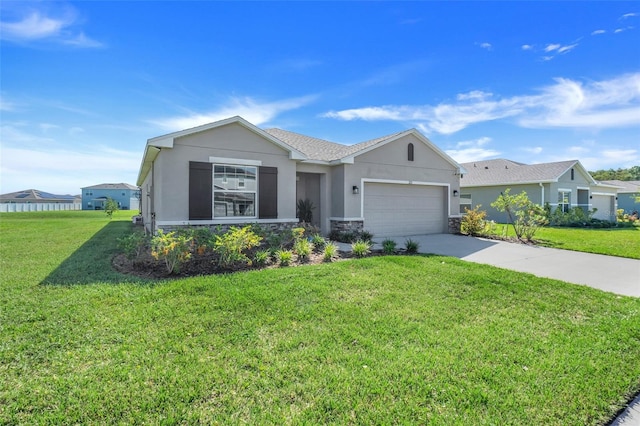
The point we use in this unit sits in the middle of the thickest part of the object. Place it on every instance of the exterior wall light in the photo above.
(355, 190)
(455, 192)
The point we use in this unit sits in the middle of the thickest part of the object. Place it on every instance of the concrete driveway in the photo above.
(614, 274)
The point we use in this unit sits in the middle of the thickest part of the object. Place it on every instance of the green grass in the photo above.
(621, 242)
(384, 340)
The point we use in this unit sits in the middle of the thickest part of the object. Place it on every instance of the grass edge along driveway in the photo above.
(380, 340)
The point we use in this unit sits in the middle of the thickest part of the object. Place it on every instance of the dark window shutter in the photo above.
(200, 191)
(268, 192)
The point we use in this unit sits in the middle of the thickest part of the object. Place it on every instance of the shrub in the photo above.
(284, 257)
(202, 238)
(132, 244)
(389, 246)
(173, 249)
(411, 246)
(303, 249)
(361, 248)
(329, 252)
(305, 210)
(231, 246)
(473, 222)
(525, 216)
(261, 257)
(318, 242)
(366, 236)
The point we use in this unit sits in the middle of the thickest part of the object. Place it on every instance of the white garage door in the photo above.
(398, 210)
(605, 205)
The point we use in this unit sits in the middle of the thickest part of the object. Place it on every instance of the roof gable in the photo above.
(112, 186)
(506, 172)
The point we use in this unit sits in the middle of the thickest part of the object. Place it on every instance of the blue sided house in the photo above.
(95, 197)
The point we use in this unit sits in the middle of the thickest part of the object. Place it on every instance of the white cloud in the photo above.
(551, 47)
(620, 30)
(36, 26)
(485, 45)
(248, 108)
(596, 32)
(566, 103)
(533, 149)
(628, 15)
(6, 105)
(527, 47)
(467, 151)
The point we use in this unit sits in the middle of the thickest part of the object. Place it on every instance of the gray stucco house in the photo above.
(127, 196)
(628, 194)
(232, 172)
(563, 184)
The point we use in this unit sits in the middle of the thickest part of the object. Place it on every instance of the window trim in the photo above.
(215, 191)
(568, 197)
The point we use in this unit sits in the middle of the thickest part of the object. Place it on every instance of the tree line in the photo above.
(632, 173)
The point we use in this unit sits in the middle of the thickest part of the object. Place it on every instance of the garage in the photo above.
(605, 205)
(396, 209)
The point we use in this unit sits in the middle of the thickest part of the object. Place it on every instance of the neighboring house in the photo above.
(127, 196)
(36, 196)
(628, 194)
(563, 184)
(232, 172)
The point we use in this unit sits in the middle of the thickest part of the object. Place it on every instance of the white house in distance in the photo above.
(232, 172)
(127, 196)
(563, 184)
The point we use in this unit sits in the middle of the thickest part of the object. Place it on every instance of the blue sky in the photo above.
(83, 85)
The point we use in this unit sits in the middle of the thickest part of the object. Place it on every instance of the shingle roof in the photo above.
(112, 186)
(502, 171)
(322, 150)
(34, 194)
(628, 186)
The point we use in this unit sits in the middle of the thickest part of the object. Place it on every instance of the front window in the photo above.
(564, 201)
(234, 191)
(465, 202)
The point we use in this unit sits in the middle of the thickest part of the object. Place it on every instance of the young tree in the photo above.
(525, 216)
(110, 207)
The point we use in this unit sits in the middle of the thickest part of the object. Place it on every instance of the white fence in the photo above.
(38, 207)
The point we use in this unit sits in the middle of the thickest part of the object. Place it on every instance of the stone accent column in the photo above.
(347, 225)
(454, 224)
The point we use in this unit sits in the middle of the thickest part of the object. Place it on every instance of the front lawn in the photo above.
(384, 340)
(621, 242)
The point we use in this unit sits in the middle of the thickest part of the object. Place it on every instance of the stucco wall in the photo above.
(487, 195)
(230, 141)
(390, 162)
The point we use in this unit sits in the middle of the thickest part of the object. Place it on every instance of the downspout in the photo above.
(542, 194)
(152, 206)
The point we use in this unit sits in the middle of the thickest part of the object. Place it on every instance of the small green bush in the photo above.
(284, 257)
(361, 248)
(261, 257)
(172, 248)
(389, 246)
(318, 242)
(329, 252)
(303, 249)
(231, 246)
(473, 222)
(366, 236)
(411, 246)
(133, 244)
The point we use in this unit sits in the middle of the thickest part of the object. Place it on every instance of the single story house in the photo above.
(36, 196)
(563, 184)
(231, 172)
(628, 194)
(127, 196)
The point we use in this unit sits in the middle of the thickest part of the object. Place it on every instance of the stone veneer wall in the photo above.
(454, 224)
(347, 225)
(274, 227)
